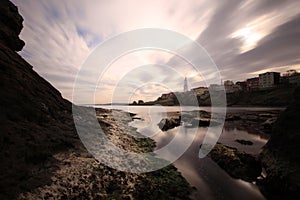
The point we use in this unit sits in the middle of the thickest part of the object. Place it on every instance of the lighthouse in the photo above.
(185, 87)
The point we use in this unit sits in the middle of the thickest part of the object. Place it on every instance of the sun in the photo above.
(249, 38)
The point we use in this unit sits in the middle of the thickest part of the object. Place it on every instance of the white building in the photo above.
(268, 80)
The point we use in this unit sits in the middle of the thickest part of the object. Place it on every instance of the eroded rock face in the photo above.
(35, 121)
(11, 26)
(281, 155)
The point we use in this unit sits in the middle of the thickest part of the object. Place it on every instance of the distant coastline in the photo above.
(276, 97)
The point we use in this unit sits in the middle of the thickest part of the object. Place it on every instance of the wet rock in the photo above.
(237, 164)
(231, 117)
(204, 122)
(268, 124)
(168, 123)
(244, 142)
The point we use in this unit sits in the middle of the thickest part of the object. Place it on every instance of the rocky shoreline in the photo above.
(78, 175)
(43, 158)
(238, 164)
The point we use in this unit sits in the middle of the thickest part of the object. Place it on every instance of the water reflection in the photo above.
(206, 176)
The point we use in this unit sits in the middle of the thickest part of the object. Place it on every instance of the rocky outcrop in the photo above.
(196, 118)
(256, 122)
(11, 26)
(82, 177)
(236, 164)
(169, 123)
(281, 155)
(35, 121)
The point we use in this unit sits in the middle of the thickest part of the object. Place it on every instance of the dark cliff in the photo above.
(281, 155)
(11, 26)
(35, 121)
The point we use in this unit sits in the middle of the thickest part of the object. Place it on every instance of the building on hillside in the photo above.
(229, 86)
(168, 95)
(242, 84)
(252, 84)
(269, 80)
(290, 72)
(199, 90)
(228, 83)
(291, 77)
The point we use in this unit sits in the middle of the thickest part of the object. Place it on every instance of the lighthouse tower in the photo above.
(185, 87)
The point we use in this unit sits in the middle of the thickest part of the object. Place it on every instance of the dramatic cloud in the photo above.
(243, 37)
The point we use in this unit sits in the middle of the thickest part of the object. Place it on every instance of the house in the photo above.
(291, 77)
(229, 86)
(269, 80)
(294, 79)
(252, 84)
(242, 84)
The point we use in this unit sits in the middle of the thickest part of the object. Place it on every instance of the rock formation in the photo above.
(237, 164)
(281, 155)
(11, 26)
(35, 121)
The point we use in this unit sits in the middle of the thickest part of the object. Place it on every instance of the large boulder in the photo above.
(281, 155)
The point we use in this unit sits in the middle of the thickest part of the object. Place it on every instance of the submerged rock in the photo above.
(232, 117)
(244, 142)
(268, 124)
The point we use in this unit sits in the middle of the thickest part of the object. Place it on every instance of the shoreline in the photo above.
(77, 174)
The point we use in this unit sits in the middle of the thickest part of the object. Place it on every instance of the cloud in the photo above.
(269, 21)
(242, 37)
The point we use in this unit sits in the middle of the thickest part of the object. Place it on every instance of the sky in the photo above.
(242, 37)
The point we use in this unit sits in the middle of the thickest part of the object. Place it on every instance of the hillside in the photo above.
(277, 97)
(274, 97)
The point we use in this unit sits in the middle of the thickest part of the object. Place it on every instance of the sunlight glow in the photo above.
(249, 38)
